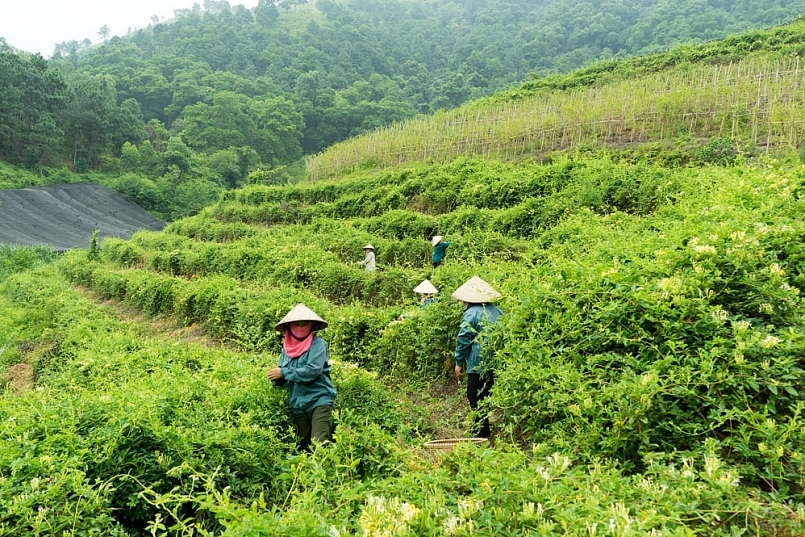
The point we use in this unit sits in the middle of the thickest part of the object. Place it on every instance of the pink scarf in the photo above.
(297, 341)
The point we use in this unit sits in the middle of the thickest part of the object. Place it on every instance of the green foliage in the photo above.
(420, 345)
(15, 259)
(649, 357)
(719, 151)
(94, 248)
(283, 84)
(664, 336)
(123, 421)
(648, 375)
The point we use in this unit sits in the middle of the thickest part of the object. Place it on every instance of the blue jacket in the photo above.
(468, 342)
(438, 252)
(308, 378)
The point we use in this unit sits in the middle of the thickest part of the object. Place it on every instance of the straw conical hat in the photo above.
(368, 247)
(437, 239)
(300, 312)
(426, 288)
(476, 291)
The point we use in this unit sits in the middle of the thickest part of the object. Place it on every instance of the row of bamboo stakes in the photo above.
(759, 102)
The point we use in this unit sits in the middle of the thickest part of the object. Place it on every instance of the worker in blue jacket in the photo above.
(439, 250)
(304, 369)
(472, 350)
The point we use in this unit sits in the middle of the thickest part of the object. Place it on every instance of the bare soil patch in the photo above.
(20, 377)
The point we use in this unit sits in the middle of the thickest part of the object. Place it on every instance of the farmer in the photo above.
(472, 347)
(304, 370)
(427, 292)
(439, 250)
(369, 261)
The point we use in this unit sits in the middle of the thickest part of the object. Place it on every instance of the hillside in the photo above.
(649, 357)
(64, 217)
(221, 90)
(741, 94)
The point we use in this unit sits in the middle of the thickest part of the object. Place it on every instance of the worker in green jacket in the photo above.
(439, 250)
(472, 349)
(427, 293)
(304, 369)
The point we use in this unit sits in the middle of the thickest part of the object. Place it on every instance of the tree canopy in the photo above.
(292, 78)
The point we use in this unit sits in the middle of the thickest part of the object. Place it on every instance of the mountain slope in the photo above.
(64, 217)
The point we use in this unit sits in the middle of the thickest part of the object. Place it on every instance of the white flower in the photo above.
(741, 326)
(770, 341)
(468, 508)
(559, 462)
(704, 250)
(720, 315)
(766, 308)
(738, 236)
(785, 286)
(776, 270)
(408, 511)
(451, 525)
(620, 511)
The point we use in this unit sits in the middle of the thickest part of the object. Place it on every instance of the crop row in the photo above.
(756, 100)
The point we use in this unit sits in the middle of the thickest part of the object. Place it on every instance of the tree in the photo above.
(104, 32)
(156, 135)
(130, 159)
(150, 160)
(277, 132)
(219, 125)
(177, 155)
(127, 124)
(32, 98)
(89, 117)
(188, 87)
(266, 13)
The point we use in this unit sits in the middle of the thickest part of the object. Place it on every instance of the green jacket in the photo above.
(308, 378)
(468, 342)
(439, 251)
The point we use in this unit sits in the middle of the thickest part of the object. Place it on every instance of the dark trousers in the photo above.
(478, 387)
(317, 424)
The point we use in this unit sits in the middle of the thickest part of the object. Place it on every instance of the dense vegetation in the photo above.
(649, 381)
(649, 372)
(221, 90)
(692, 103)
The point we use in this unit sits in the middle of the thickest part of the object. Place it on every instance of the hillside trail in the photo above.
(441, 404)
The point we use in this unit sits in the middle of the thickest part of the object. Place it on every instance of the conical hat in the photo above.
(476, 291)
(426, 288)
(437, 239)
(368, 247)
(300, 312)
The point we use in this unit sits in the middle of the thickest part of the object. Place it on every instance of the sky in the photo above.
(38, 25)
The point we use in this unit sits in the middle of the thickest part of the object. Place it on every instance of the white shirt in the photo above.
(369, 262)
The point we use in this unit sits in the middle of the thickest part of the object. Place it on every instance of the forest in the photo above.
(199, 102)
(642, 218)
